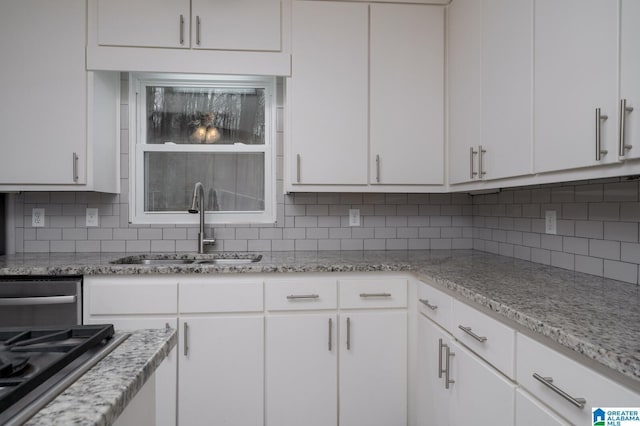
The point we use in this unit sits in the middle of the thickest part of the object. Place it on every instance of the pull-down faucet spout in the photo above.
(197, 206)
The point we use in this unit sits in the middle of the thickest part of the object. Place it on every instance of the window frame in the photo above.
(138, 147)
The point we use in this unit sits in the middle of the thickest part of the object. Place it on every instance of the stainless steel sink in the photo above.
(218, 259)
(230, 260)
(159, 262)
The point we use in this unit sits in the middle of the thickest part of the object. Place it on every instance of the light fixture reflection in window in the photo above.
(206, 134)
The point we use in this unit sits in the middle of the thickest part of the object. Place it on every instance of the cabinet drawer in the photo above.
(130, 295)
(490, 339)
(569, 376)
(211, 295)
(302, 294)
(435, 305)
(373, 293)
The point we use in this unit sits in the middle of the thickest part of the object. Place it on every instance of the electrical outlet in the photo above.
(92, 217)
(354, 217)
(550, 217)
(37, 218)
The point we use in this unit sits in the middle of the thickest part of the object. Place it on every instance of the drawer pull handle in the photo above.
(303, 296)
(375, 294)
(548, 382)
(467, 330)
(426, 303)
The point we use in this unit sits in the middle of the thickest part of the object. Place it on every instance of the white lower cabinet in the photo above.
(531, 412)
(221, 370)
(432, 397)
(301, 362)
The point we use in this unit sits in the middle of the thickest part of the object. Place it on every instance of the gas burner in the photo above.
(12, 365)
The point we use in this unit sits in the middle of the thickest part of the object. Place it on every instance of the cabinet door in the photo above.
(406, 89)
(531, 412)
(221, 374)
(166, 374)
(301, 363)
(506, 88)
(373, 369)
(432, 399)
(575, 73)
(328, 93)
(629, 71)
(479, 390)
(44, 92)
(464, 75)
(236, 24)
(143, 23)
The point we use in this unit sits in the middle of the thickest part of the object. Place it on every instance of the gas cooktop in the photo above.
(36, 364)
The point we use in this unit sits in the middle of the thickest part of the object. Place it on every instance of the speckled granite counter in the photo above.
(596, 317)
(103, 392)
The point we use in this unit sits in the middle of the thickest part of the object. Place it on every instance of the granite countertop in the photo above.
(596, 317)
(100, 395)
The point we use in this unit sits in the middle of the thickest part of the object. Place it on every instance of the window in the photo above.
(214, 130)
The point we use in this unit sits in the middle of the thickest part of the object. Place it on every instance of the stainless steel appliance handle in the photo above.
(182, 29)
(472, 152)
(599, 119)
(43, 300)
(348, 333)
(302, 296)
(447, 367)
(330, 332)
(365, 295)
(548, 382)
(186, 339)
(624, 109)
(426, 303)
(198, 30)
(467, 330)
(75, 167)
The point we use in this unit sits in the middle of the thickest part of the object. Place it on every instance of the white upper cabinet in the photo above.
(407, 94)
(49, 100)
(328, 93)
(576, 73)
(629, 81)
(490, 77)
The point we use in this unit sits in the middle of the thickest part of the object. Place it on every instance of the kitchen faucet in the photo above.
(197, 205)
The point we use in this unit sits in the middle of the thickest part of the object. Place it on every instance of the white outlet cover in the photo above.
(37, 218)
(92, 217)
(550, 219)
(354, 217)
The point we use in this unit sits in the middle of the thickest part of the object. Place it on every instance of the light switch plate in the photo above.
(354, 217)
(550, 219)
(92, 217)
(37, 217)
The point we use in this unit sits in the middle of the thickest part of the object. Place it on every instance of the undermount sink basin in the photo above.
(217, 259)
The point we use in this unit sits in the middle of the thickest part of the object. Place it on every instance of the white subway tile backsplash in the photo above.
(589, 265)
(621, 231)
(604, 211)
(627, 272)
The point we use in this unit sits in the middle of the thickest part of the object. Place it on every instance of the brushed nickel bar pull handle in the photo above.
(481, 152)
(37, 300)
(472, 152)
(330, 332)
(198, 30)
(548, 382)
(348, 333)
(298, 168)
(186, 339)
(624, 109)
(440, 347)
(181, 29)
(75, 167)
(447, 367)
(302, 296)
(364, 295)
(426, 303)
(377, 168)
(467, 330)
(599, 119)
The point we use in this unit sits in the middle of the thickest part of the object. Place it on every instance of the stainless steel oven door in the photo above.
(29, 302)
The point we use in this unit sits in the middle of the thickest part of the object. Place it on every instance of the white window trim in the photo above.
(137, 147)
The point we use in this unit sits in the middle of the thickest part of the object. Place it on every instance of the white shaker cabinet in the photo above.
(489, 80)
(328, 94)
(576, 74)
(219, 24)
(629, 139)
(51, 105)
(407, 95)
(531, 412)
